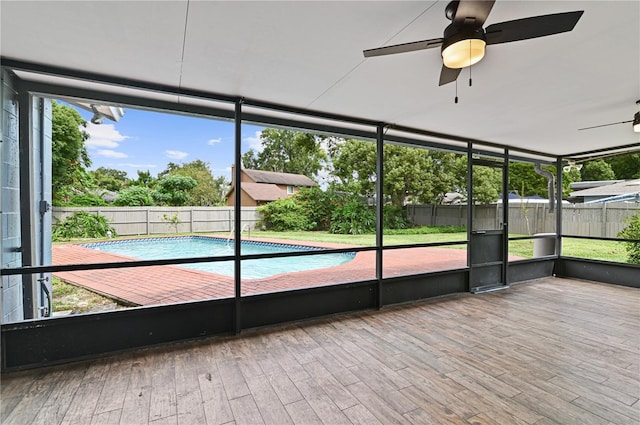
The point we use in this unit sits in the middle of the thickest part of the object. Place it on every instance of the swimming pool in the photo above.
(202, 246)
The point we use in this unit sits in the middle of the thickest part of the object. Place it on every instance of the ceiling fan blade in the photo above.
(405, 47)
(536, 26)
(605, 125)
(448, 75)
(478, 10)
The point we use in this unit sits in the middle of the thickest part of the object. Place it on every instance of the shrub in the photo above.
(395, 218)
(632, 231)
(353, 218)
(82, 224)
(135, 196)
(317, 205)
(285, 215)
(86, 200)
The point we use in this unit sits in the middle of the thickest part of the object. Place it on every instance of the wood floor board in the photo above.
(163, 397)
(546, 352)
(215, 403)
(284, 387)
(377, 405)
(60, 398)
(334, 389)
(34, 399)
(137, 397)
(467, 404)
(321, 403)
(360, 415)
(612, 412)
(245, 411)
(440, 412)
(303, 414)
(560, 411)
(271, 407)
(83, 405)
(110, 417)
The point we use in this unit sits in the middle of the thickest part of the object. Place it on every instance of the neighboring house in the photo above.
(625, 190)
(261, 187)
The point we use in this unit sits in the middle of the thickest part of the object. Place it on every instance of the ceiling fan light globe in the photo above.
(463, 53)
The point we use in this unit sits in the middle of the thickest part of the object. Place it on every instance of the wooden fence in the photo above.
(598, 220)
(156, 220)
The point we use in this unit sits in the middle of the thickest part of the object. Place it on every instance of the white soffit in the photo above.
(531, 95)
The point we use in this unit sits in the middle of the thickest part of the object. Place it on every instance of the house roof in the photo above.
(620, 188)
(287, 179)
(531, 94)
(263, 191)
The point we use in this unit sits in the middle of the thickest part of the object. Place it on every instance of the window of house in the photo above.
(290, 190)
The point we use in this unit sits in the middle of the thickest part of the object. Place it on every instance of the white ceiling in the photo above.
(531, 94)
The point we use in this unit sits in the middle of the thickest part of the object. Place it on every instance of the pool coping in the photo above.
(155, 285)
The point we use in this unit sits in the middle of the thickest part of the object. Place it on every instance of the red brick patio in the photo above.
(170, 284)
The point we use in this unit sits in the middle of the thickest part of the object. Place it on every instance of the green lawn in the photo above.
(583, 248)
(364, 240)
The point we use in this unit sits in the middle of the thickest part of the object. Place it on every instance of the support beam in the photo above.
(238, 216)
(379, 210)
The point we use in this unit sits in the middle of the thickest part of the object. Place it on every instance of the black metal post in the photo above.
(237, 175)
(379, 209)
(559, 206)
(505, 218)
(26, 205)
(469, 207)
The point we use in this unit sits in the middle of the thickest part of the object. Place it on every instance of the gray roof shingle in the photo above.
(260, 176)
(263, 191)
(621, 188)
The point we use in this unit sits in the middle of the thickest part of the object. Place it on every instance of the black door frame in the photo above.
(485, 267)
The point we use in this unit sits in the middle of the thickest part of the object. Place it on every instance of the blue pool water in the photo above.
(201, 246)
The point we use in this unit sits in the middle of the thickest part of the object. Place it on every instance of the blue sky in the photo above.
(144, 140)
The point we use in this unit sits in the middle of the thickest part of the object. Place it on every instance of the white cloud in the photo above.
(176, 154)
(212, 142)
(111, 153)
(255, 142)
(103, 136)
(131, 165)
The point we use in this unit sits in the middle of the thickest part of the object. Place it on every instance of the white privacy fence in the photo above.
(156, 220)
(598, 220)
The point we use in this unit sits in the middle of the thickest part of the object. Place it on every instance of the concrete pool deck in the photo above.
(155, 285)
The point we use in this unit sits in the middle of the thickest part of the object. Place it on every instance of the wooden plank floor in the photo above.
(543, 352)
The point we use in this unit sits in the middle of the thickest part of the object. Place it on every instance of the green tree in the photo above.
(523, 176)
(626, 166)
(69, 156)
(209, 190)
(410, 174)
(134, 196)
(287, 151)
(524, 181)
(596, 170)
(487, 184)
(632, 231)
(173, 190)
(109, 178)
(144, 179)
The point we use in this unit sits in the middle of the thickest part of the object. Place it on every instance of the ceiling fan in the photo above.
(465, 40)
(635, 121)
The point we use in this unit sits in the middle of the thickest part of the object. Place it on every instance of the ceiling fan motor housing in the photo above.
(456, 52)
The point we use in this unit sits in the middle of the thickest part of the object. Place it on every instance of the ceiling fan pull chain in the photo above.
(470, 63)
(456, 91)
